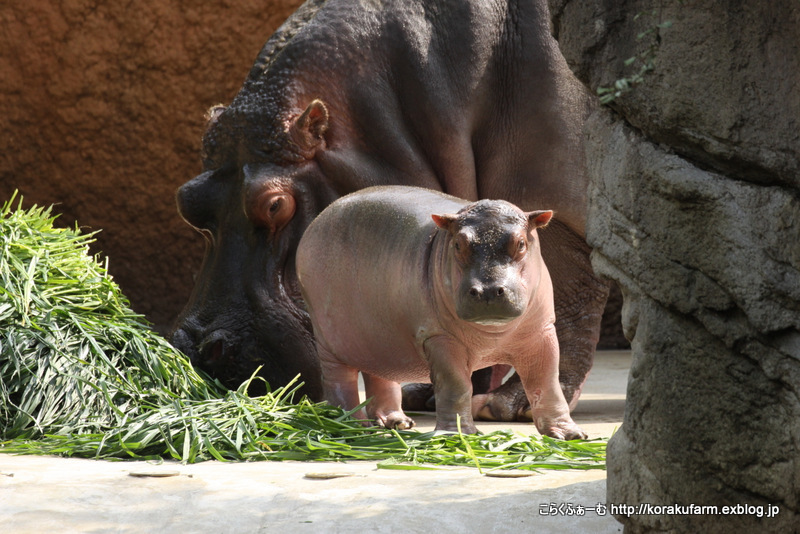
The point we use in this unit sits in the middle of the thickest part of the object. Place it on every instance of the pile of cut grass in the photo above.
(81, 374)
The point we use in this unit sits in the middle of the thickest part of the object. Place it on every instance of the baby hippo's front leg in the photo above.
(539, 375)
(385, 403)
(452, 385)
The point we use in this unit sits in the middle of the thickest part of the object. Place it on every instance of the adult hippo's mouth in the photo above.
(231, 351)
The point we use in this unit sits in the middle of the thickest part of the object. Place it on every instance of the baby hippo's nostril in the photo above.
(500, 291)
(474, 292)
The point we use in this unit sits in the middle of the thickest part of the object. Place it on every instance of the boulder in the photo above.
(694, 211)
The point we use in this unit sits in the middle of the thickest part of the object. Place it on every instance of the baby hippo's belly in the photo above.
(391, 356)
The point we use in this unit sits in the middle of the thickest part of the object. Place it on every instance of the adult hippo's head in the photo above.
(297, 136)
(252, 205)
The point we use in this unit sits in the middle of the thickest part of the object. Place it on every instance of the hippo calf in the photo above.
(408, 284)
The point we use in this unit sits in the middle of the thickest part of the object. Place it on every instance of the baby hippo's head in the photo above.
(496, 262)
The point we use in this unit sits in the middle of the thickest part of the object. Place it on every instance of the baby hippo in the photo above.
(411, 285)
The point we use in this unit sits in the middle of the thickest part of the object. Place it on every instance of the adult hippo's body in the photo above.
(472, 98)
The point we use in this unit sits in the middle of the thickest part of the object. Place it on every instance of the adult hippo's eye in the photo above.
(273, 209)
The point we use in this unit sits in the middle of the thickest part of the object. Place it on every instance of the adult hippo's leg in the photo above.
(580, 298)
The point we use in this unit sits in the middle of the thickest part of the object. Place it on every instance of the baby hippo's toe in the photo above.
(396, 420)
(564, 430)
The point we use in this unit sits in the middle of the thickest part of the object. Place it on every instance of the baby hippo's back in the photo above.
(363, 270)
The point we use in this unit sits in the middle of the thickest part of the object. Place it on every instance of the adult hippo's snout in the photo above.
(219, 352)
(233, 356)
(214, 351)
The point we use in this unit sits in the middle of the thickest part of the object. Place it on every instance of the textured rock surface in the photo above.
(102, 110)
(695, 212)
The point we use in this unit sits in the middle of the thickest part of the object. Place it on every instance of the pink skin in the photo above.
(350, 263)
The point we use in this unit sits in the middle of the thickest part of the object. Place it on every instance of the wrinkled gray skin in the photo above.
(468, 97)
(408, 284)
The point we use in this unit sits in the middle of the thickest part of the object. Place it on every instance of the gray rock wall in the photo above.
(695, 211)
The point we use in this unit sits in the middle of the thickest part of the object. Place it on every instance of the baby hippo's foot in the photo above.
(565, 429)
(446, 425)
(385, 405)
(394, 419)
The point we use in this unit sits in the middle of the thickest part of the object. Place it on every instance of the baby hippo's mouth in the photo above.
(489, 315)
(493, 321)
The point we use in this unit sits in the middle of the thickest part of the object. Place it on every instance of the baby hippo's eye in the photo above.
(461, 247)
(518, 248)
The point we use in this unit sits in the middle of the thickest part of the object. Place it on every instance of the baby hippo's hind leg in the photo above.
(339, 382)
(385, 403)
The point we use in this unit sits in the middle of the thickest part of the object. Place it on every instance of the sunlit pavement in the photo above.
(47, 494)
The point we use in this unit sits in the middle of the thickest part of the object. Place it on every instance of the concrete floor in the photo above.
(46, 494)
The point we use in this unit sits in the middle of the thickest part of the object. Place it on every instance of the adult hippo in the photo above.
(469, 97)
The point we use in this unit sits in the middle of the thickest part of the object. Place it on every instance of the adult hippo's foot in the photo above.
(505, 403)
(419, 397)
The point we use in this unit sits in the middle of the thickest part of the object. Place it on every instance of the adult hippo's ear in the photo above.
(307, 131)
(539, 219)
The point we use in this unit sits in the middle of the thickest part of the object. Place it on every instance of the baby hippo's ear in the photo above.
(539, 219)
(445, 222)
